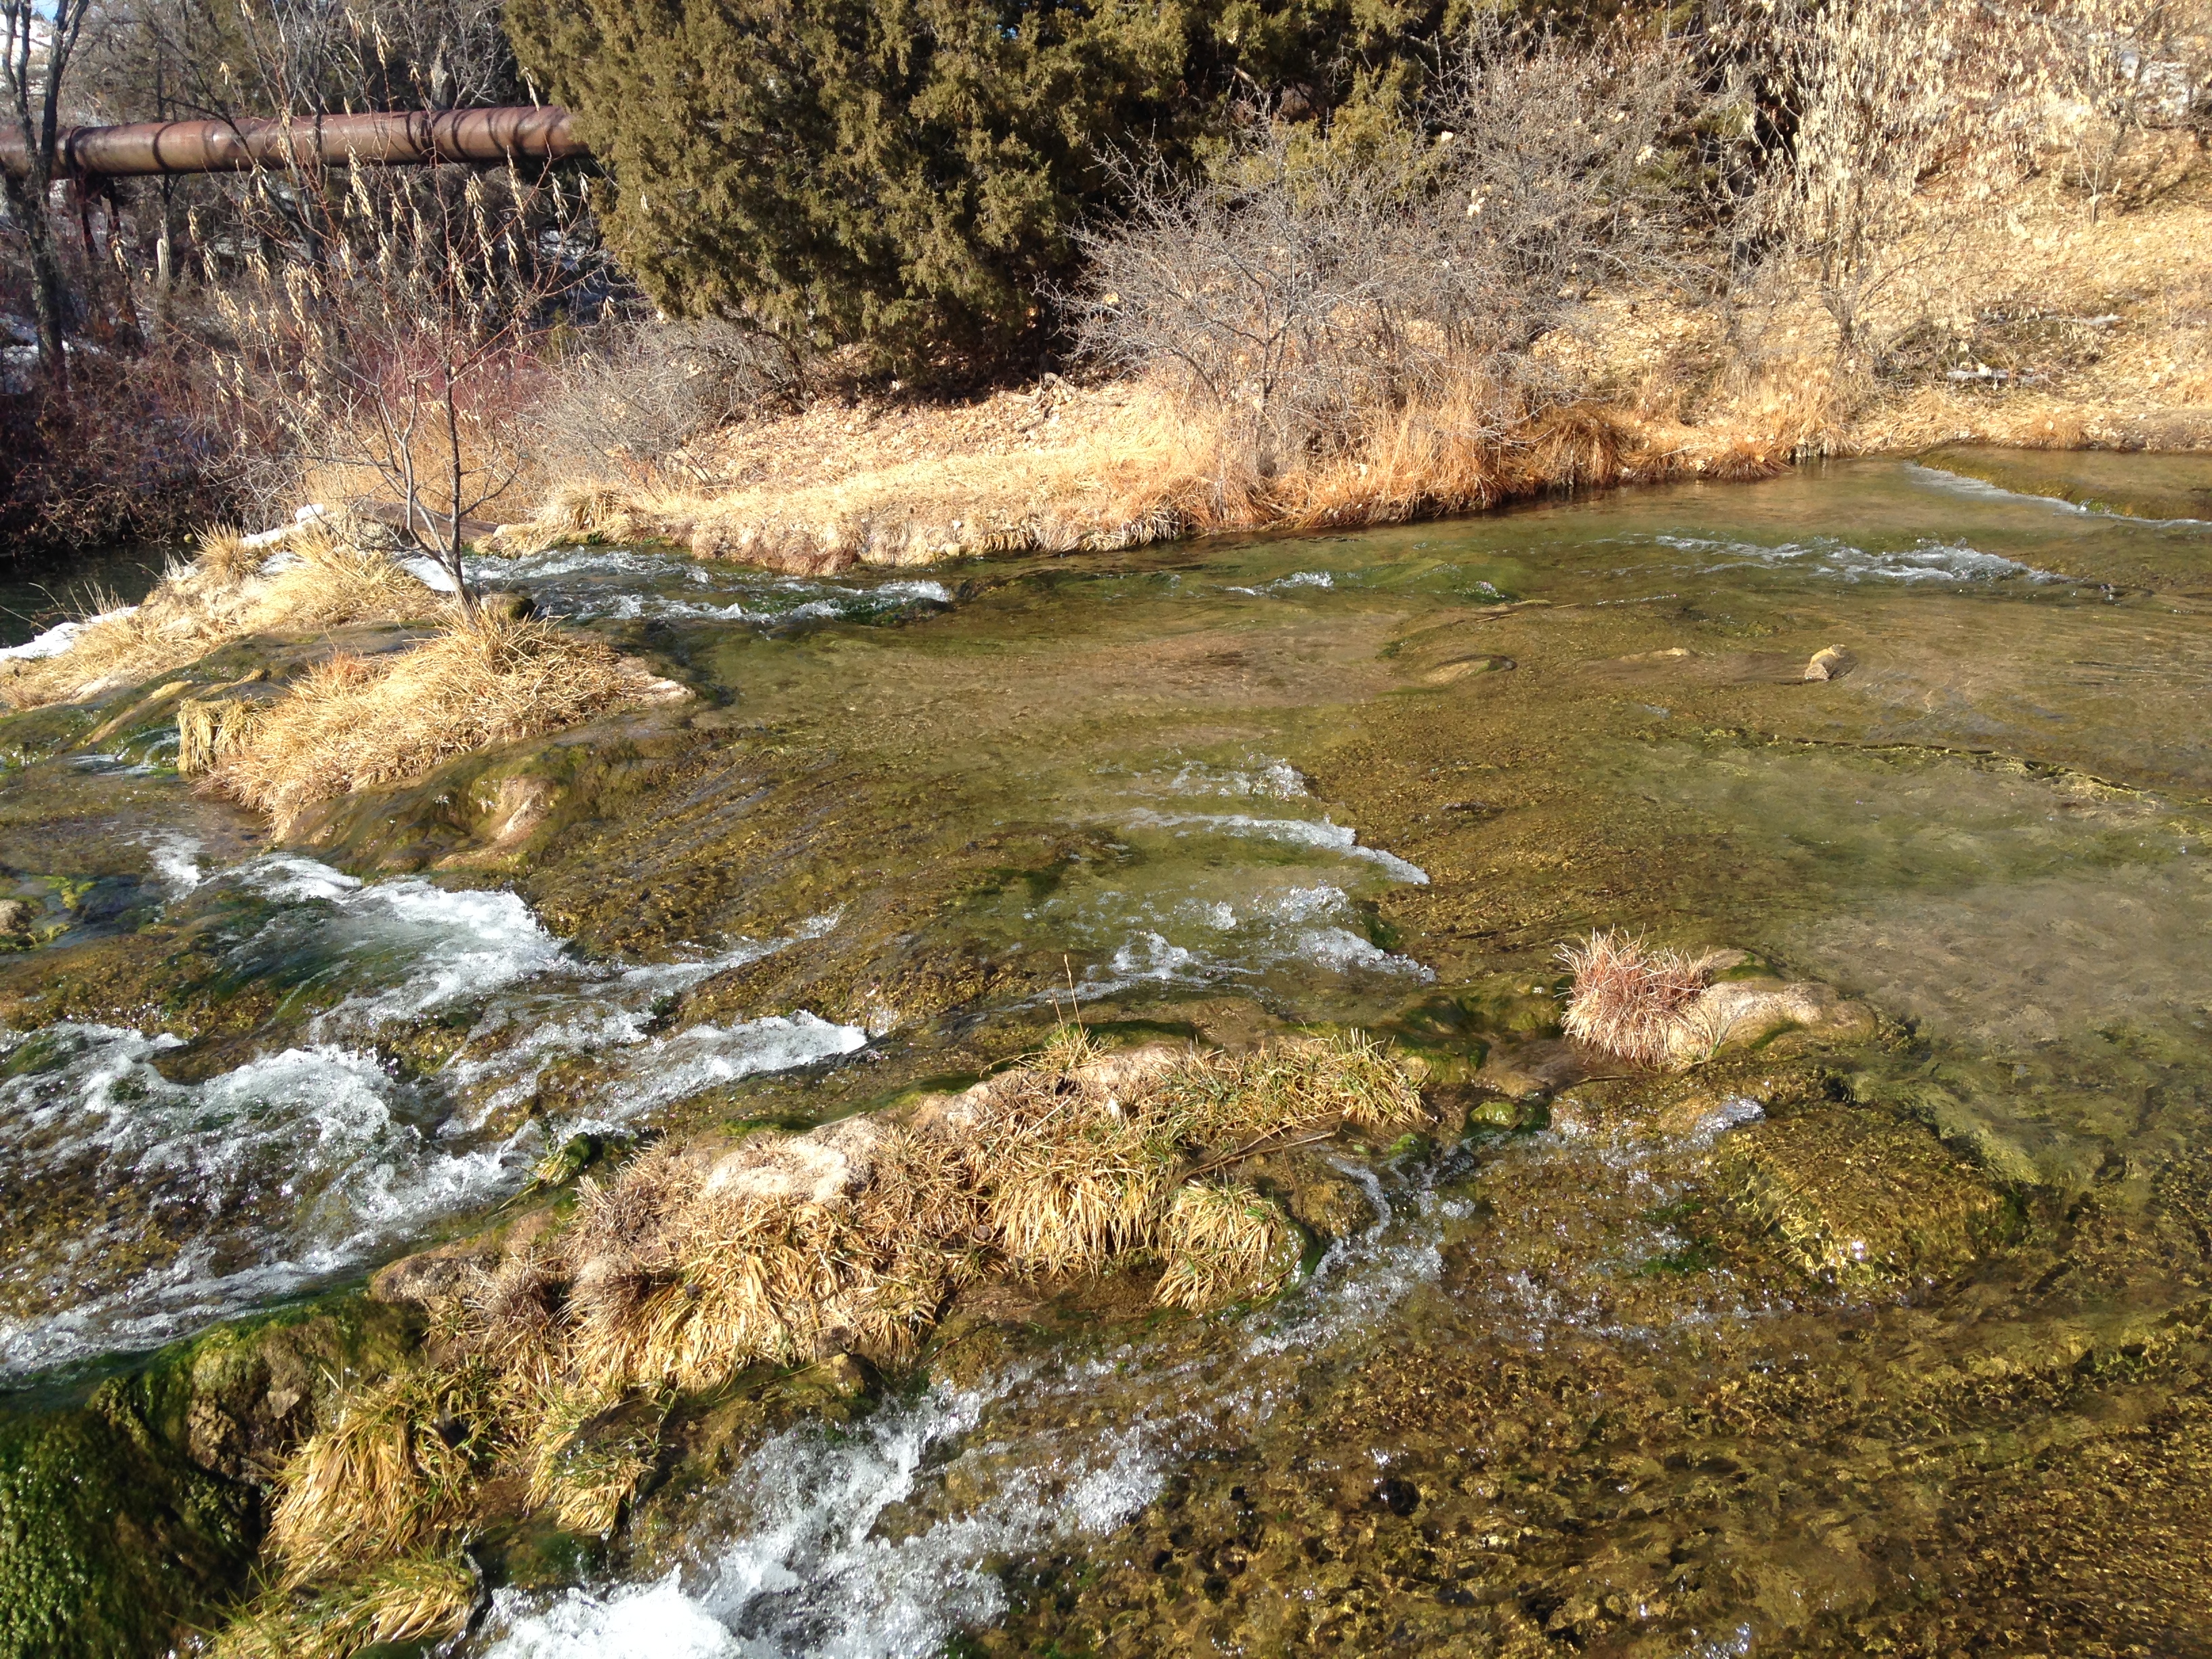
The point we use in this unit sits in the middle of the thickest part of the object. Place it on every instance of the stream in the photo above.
(1539, 1390)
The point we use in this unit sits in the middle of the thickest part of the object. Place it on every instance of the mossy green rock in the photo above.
(107, 1546)
(1854, 1195)
(126, 1519)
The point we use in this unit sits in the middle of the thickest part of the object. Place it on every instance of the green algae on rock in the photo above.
(1851, 1196)
(135, 1516)
(110, 1543)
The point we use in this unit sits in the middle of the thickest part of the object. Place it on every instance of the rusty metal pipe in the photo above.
(403, 137)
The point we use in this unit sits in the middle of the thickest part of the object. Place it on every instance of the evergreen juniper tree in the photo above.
(905, 173)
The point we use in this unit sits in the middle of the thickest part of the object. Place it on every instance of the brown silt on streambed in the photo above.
(1876, 1327)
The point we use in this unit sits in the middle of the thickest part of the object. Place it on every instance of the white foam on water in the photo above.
(1275, 780)
(286, 876)
(1297, 578)
(1730, 1114)
(59, 638)
(852, 1547)
(300, 1163)
(619, 585)
(1325, 836)
(657, 1621)
(703, 1057)
(265, 1178)
(1302, 926)
(175, 859)
(1927, 561)
(1343, 951)
(557, 561)
(1361, 1277)
(1151, 958)
(462, 944)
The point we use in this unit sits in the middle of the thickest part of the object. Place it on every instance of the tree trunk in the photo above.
(26, 202)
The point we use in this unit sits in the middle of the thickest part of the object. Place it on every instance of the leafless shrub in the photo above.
(2126, 71)
(1907, 121)
(1313, 281)
(630, 397)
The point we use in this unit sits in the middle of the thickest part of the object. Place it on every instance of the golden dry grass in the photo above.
(412, 1600)
(1138, 469)
(352, 722)
(1116, 477)
(587, 1454)
(221, 596)
(1223, 1241)
(1668, 387)
(692, 1264)
(392, 1472)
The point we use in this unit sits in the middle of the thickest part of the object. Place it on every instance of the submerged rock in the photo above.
(1850, 1194)
(1831, 662)
(1742, 1012)
(1524, 1070)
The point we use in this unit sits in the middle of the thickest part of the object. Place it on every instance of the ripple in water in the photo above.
(846, 1547)
(591, 584)
(1925, 562)
(143, 1206)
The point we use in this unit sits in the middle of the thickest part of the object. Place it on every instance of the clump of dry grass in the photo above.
(1629, 998)
(222, 594)
(351, 722)
(393, 1470)
(692, 1263)
(412, 1600)
(1224, 1240)
(589, 1452)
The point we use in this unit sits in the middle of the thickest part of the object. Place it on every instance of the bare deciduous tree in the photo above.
(397, 349)
(1308, 280)
(40, 47)
(2128, 68)
(1872, 85)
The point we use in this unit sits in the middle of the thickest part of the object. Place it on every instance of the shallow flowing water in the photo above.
(1541, 1389)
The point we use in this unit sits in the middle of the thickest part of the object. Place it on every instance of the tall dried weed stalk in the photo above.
(391, 345)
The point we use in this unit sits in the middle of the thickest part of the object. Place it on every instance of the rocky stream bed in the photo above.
(1886, 1332)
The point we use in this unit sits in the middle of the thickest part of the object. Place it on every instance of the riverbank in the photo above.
(2050, 331)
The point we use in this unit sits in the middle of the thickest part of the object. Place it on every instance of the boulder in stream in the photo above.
(1742, 1012)
(1852, 1195)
